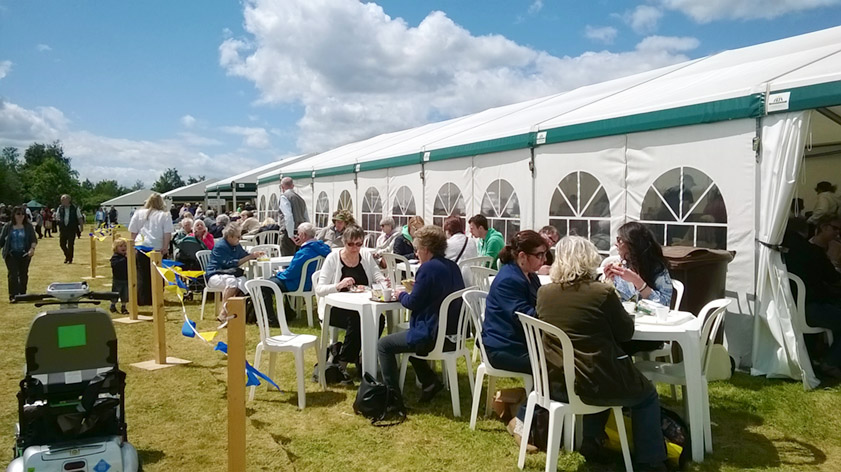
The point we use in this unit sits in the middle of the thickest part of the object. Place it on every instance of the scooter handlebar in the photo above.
(31, 297)
(103, 295)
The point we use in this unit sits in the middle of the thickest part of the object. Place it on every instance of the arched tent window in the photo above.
(272, 210)
(261, 209)
(684, 207)
(501, 207)
(449, 201)
(580, 207)
(404, 206)
(322, 211)
(372, 213)
(345, 201)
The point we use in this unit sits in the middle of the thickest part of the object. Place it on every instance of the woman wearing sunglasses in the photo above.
(344, 269)
(644, 272)
(18, 241)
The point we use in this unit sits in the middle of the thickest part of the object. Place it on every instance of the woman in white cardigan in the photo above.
(344, 269)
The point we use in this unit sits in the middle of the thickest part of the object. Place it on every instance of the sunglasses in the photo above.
(539, 255)
(354, 244)
(19, 213)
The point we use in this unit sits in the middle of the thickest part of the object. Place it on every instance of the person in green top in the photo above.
(490, 240)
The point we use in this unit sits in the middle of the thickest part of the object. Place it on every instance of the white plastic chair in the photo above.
(474, 300)
(482, 277)
(666, 350)
(393, 272)
(673, 373)
(464, 266)
(287, 341)
(204, 257)
(559, 412)
(307, 294)
(271, 250)
(799, 317)
(268, 237)
(450, 358)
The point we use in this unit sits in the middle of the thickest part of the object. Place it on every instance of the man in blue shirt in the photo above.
(289, 279)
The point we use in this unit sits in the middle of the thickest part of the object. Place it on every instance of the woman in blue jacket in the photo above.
(437, 277)
(514, 289)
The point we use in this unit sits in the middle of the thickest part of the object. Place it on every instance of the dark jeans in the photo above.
(67, 240)
(387, 350)
(38, 231)
(513, 362)
(268, 297)
(121, 287)
(144, 279)
(18, 267)
(827, 315)
(649, 445)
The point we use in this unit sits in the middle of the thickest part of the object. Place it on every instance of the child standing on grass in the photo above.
(119, 274)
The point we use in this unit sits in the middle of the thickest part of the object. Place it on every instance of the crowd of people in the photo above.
(585, 306)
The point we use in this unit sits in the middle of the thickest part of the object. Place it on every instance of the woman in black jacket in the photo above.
(18, 241)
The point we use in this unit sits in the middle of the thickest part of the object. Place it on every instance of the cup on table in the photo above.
(387, 294)
(630, 307)
(662, 314)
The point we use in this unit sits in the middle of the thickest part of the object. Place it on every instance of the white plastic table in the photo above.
(688, 335)
(369, 316)
(265, 269)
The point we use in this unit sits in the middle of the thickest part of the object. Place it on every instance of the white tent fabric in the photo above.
(440, 177)
(194, 192)
(489, 196)
(779, 350)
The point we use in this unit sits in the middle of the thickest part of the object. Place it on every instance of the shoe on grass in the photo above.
(113, 308)
(430, 391)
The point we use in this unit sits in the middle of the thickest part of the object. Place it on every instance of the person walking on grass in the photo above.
(18, 241)
(70, 222)
(119, 274)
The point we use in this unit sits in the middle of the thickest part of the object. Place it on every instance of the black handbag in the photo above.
(382, 404)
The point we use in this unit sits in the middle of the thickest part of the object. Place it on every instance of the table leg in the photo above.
(325, 342)
(694, 393)
(368, 332)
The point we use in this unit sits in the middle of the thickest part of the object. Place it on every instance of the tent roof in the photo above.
(195, 190)
(136, 198)
(34, 204)
(797, 73)
(250, 177)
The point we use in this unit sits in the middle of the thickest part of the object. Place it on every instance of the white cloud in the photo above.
(710, 10)
(252, 137)
(536, 6)
(43, 48)
(604, 34)
(358, 72)
(5, 67)
(188, 121)
(668, 44)
(643, 19)
(100, 157)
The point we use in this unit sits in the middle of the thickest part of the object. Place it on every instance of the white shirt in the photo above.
(150, 229)
(286, 210)
(454, 245)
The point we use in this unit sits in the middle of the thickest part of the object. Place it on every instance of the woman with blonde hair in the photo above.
(590, 313)
(151, 228)
(403, 242)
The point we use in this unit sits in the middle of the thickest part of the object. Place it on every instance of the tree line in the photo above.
(44, 173)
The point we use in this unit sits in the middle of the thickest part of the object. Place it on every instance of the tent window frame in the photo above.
(507, 225)
(404, 206)
(564, 223)
(322, 210)
(450, 205)
(372, 213)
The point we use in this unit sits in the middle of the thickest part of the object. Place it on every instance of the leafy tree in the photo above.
(138, 185)
(11, 188)
(169, 180)
(196, 179)
(47, 174)
(37, 153)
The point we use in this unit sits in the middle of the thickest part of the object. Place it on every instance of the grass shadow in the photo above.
(799, 453)
(150, 456)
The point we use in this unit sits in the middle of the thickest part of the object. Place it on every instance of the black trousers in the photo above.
(349, 321)
(18, 267)
(144, 279)
(67, 241)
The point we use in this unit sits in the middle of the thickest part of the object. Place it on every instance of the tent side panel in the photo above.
(494, 177)
(441, 177)
(400, 178)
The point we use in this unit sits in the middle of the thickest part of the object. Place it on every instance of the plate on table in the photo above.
(358, 289)
(393, 299)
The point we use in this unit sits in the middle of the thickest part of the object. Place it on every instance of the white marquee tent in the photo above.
(126, 204)
(708, 153)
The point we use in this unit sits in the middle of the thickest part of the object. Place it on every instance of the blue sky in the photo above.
(213, 88)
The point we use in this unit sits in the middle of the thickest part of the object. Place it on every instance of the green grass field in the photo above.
(177, 416)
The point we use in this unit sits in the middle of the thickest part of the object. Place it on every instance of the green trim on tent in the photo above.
(508, 143)
(720, 110)
(813, 96)
(241, 187)
(339, 170)
(304, 174)
(269, 179)
(399, 161)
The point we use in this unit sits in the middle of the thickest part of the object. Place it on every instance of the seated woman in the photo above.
(513, 289)
(202, 234)
(827, 230)
(223, 270)
(459, 246)
(403, 242)
(644, 272)
(590, 313)
(182, 232)
(333, 235)
(437, 277)
(342, 270)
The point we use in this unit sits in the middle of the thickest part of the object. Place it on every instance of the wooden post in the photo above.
(236, 384)
(158, 312)
(93, 257)
(132, 280)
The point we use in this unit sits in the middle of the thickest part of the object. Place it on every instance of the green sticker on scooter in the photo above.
(72, 336)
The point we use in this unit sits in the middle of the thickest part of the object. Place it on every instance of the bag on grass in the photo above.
(507, 401)
(380, 403)
(675, 432)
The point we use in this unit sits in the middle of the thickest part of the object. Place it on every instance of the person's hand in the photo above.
(626, 274)
(544, 270)
(610, 270)
(30, 252)
(257, 254)
(346, 282)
